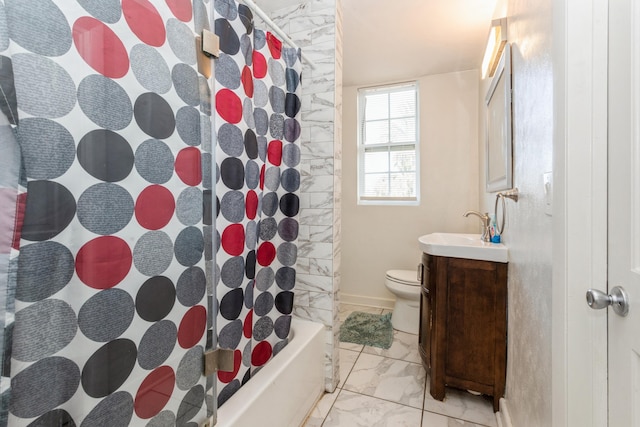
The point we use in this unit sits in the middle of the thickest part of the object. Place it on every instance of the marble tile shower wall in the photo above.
(316, 26)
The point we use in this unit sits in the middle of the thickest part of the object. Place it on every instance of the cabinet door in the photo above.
(472, 320)
(424, 334)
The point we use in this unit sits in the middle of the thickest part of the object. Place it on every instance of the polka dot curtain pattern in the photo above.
(110, 272)
(257, 129)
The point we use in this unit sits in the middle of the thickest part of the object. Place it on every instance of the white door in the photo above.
(624, 210)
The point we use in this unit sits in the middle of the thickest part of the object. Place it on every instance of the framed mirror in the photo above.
(499, 162)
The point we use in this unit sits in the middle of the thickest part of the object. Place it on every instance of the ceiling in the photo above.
(386, 41)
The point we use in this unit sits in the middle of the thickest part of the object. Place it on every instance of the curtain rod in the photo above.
(256, 9)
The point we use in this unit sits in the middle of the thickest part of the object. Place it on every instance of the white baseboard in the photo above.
(503, 417)
(367, 301)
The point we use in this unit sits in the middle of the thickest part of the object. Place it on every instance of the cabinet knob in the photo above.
(420, 272)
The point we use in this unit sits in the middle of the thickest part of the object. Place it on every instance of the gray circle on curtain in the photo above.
(247, 49)
(251, 233)
(260, 93)
(154, 161)
(288, 229)
(232, 206)
(270, 204)
(42, 329)
(108, 11)
(48, 149)
(151, 70)
(232, 272)
(277, 99)
(272, 178)
(115, 114)
(189, 206)
(287, 254)
(185, 81)
(264, 279)
(190, 368)
(263, 304)
(268, 229)
(230, 334)
(230, 140)
(290, 180)
(156, 344)
(276, 72)
(227, 72)
(180, 38)
(252, 174)
(291, 155)
(276, 126)
(153, 253)
(262, 328)
(261, 119)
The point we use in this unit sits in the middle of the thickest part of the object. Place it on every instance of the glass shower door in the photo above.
(112, 272)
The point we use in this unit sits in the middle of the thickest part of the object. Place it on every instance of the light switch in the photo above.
(547, 179)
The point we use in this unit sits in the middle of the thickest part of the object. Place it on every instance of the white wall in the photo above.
(529, 230)
(379, 238)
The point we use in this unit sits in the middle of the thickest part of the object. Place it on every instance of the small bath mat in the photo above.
(368, 329)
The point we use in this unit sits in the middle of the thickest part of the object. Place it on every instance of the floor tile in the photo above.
(320, 412)
(404, 347)
(462, 405)
(347, 360)
(355, 410)
(351, 346)
(390, 379)
(429, 419)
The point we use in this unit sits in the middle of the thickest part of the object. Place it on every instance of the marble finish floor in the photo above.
(389, 388)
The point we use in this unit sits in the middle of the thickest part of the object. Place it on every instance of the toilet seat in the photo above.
(405, 277)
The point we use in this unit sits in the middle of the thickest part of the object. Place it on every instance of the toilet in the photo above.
(406, 312)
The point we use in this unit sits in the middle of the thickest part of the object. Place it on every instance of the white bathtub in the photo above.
(286, 389)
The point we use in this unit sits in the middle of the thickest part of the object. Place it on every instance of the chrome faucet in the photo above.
(486, 224)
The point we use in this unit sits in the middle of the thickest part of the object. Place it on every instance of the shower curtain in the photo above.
(114, 229)
(257, 126)
(110, 108)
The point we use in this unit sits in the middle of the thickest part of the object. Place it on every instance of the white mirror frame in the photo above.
(499, 162)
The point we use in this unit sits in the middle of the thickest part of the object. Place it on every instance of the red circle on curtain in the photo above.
(229, 106)
(154, 207)
(259, 65)
(192, 326)
(274, 152)
(251, 204)
(103, 262)
(247, 81)
(261, 353)
(227, 377)
(262, 171)
(181, 9)
(188, 166)
(266, 254)
(247, 328)
(145, 21)
(154, 392)
(232, 239)
(100, 47)
(275, 46)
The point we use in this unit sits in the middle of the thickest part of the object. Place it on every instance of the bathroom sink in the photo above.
(458, 245)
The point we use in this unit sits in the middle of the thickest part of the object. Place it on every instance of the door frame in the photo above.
(579, 350)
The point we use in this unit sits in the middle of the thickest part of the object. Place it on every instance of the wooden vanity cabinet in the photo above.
(463, 325)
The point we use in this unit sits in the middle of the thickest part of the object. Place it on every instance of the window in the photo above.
(388, 156)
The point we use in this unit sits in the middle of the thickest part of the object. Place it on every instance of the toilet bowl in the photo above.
(406, 311)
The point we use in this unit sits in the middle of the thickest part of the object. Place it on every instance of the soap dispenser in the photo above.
(495, 235)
